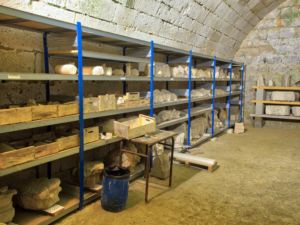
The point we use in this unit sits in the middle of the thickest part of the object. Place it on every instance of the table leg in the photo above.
(171, 163)
(147, 168)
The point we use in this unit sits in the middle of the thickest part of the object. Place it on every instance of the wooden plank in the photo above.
(28, 217)
(275, 102)
(11, 157)
(68, 142)
(40, 112)
(46, 149)
(70, 108)
(295, 88)
(154, 138)
(275, 117)
(15, 115)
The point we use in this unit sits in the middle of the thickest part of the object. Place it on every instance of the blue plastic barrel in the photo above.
(115, 188)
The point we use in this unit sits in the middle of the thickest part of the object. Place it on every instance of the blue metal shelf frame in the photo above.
(190, 66)
(81, 114)
(228, 105)
(214, 65)
(242, 93)
(151, 78)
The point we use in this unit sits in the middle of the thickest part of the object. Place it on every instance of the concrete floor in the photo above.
(258, 182)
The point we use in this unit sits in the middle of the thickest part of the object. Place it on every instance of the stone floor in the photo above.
(258, 182)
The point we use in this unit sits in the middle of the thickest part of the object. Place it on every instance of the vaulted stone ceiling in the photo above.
(207, 26)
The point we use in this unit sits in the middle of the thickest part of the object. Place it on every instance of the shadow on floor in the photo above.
(158, 187)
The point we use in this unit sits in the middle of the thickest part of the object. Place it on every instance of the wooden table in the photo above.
(158, 137)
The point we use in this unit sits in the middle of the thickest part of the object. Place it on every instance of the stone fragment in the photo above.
(130, 161)
(296, 110)
(38, 194)
(279, 110)
(7, 211)
(283, 96)
(199, 127)
(166, 115)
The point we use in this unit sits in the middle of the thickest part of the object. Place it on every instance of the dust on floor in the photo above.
(258, 182)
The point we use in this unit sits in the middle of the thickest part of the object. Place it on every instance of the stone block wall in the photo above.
(209, 27)
(272, 49)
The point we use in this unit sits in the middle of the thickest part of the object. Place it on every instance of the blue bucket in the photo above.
(115, 188)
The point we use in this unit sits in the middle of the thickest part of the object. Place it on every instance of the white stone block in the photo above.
(296, 110)
(283, 96)
(279, 110)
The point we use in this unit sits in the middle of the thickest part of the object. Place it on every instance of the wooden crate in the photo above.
(70, 108)
(135, 103)
(10, 156)
(132, 96)
(107, 102)
(15, 115)
(40, 112)
(91, 105)
(91, 134)
(45, 149)
(68, 142)
(135, 127)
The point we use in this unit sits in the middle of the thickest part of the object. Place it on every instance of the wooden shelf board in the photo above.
(27, 217)
(56, 156)
(99, 55)
(275, 117)
(275, 102)
(70, 203)
(274, 88)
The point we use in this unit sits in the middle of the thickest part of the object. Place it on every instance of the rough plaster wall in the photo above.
(207, 26)
(272, 49)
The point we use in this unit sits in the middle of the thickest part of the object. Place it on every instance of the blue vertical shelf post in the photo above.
(152, 78)
(214, 65)
(46, 68)
(242, 94)
(190, 66)
(81, 120)
(228, 105)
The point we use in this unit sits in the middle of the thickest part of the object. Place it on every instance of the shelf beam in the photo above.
(275, 117)
(98, 55)
(274, 88)
(9, 76)
(269, 102)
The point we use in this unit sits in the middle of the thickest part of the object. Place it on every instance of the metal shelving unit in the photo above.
(45, 26)
(73, 118)
(260, 103)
